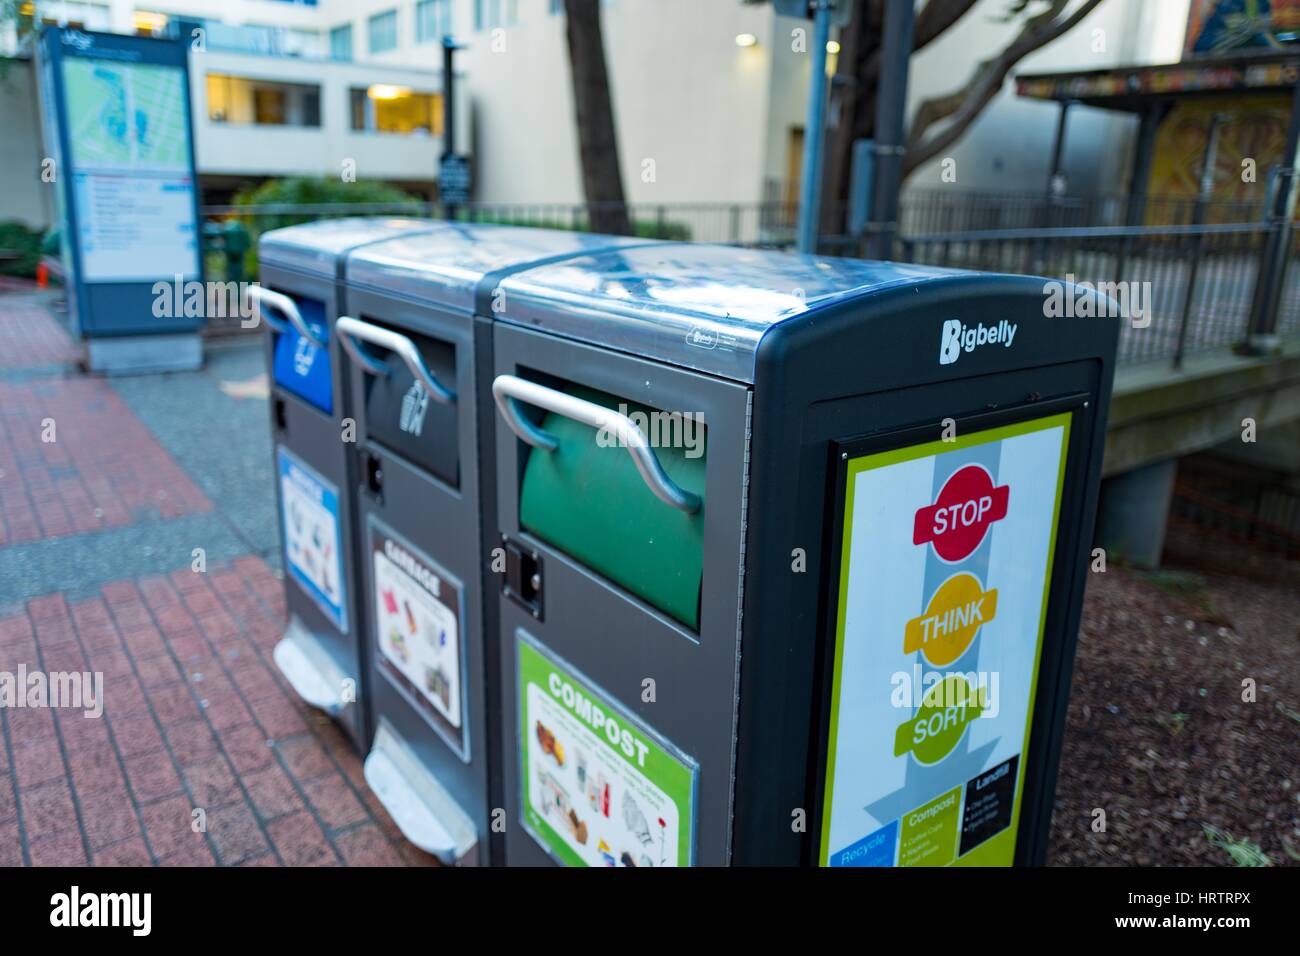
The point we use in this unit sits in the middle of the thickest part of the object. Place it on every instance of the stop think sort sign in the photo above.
(958, 520)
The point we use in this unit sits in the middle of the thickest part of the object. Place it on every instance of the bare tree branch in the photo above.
(936, 17)
(962, 107)
(931, 23)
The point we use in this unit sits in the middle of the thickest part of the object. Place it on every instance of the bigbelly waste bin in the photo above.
(416, 335)
(300, 295)
(795, 556)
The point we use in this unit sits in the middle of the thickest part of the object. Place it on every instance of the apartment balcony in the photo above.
(257, 115)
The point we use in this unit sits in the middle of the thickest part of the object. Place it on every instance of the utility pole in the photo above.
(453, 169)
(891, 112)
(810, 187)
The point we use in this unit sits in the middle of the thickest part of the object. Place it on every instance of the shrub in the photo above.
(309, 190)
(15, 237)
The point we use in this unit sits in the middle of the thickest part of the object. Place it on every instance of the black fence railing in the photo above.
(1182, 289)
(1186, 288)
(947, 210)
(748, 224)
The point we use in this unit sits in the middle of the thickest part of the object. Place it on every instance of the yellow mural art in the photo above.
(1254, 128)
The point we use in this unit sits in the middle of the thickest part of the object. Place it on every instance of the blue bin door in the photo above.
(301, 367)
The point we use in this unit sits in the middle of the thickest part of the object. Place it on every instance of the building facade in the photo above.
(709, 95)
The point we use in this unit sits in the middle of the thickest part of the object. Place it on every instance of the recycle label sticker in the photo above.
(309, 521)
(945, 569)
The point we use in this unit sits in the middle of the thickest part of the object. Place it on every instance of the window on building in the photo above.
(294, 42)
(341, 42)
(488, 13)
(383, 32)
(386, 108)
(433, 20)
(147, 23)
(241, 100)
(67, 13)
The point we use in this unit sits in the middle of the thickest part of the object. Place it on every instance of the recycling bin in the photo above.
(417, 335)
(795, 554)
(299, 297)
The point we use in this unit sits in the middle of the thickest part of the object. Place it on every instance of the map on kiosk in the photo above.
(128, 126)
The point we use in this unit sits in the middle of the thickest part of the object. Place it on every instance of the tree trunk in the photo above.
(602, 178)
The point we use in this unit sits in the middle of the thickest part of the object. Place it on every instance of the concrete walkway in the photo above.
(109, 491)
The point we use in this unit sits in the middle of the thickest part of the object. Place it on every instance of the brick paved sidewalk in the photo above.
(196, 718)
(203, 755)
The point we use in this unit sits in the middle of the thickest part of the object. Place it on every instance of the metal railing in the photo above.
(1183, 288)
(932, 211)
(747, 224)
(1191, 284)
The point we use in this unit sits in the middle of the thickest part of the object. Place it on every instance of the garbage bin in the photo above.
(795, 557)
(417, 334)
(300, 297)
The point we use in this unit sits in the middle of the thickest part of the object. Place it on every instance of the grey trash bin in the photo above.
(796, 556)
(417, 338)
(301, 295)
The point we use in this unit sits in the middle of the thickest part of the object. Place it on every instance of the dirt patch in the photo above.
(1158, 734)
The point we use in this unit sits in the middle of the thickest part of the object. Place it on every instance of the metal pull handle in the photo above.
(509, 389)
(282, 303)
(349, 330)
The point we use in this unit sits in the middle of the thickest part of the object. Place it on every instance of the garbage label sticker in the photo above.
(418, 629)
(945, 567)
(599, 787)
(312, 546)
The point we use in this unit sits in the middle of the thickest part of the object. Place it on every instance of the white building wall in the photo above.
(240, 148)
(1009, 146)
(690, 106)
(714, 118)
(22, 194)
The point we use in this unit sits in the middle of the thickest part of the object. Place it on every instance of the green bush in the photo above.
(308, 190)
(641, 228)
(18, 238)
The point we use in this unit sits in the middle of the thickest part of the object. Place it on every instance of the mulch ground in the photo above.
(1158, 734)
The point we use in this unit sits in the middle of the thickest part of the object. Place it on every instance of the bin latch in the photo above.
(373, 471)
(523, 580)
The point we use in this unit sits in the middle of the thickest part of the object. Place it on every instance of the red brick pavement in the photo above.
(196, 717)
(103, 470)
(30, 336)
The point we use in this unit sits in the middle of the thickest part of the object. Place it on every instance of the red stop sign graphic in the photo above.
(957, 522)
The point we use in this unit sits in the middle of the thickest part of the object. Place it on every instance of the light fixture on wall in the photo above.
(746, 40)
(387, 91)
(832, 47)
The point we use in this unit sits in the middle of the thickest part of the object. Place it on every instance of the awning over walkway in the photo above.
(1134, 88)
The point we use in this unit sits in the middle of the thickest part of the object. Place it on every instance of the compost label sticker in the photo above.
(417, 628)
(309, 517)
(599, 787)
(945, 567)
